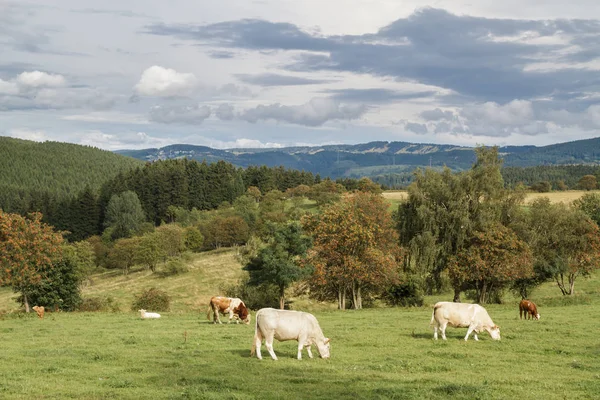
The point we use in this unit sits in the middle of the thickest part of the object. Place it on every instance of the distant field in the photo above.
(555, 197)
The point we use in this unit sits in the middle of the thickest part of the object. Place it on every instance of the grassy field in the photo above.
(394, 197)
(382, 353)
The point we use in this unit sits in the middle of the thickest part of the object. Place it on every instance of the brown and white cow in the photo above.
(288, 325)
(228, 305)
(529, 309)
(463, 315)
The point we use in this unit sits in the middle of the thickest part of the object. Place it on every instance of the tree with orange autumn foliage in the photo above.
(355, 247)
(28, 247)
(493, 259)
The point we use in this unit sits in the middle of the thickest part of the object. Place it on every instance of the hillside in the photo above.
(61, 169)
(376, 159)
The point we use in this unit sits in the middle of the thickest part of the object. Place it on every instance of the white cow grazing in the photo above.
(463, 315)
(146, 315)
(288, 325)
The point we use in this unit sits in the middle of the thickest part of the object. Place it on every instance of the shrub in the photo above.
(255, 297)
(93, 304)
(151, 299)
(406, 294)
(173, 267)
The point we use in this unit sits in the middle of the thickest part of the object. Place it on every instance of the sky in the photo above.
(134, 74)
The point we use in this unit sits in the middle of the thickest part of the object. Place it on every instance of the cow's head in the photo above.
(495, 332)
(323, 348)
(537, 316)
(243, 313)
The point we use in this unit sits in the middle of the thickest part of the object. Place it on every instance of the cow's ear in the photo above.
(327, 340)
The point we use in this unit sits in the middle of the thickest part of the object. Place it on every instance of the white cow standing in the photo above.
(463, 315)
(288, 325)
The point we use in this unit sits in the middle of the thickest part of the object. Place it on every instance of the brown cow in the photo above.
(529, 309)
(223, 305)
(40, 311)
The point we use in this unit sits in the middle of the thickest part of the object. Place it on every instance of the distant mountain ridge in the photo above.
(377, 158)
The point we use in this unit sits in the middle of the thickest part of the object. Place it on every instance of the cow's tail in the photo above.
(433, 315)
(257, 335)
(210, 308)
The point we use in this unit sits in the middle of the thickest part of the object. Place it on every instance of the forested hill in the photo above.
(59, 169)
(377, 159)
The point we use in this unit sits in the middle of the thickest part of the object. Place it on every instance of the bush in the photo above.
(93, 304)
(255, 297)
(406, 295)
(151, 299)
(173, 267)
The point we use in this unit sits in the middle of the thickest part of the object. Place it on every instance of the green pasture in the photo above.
(377, 353)
(380, 353)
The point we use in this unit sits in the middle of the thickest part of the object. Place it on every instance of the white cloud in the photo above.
(38, 79)
(7, 87)
(111, 117)
(166, 82)
(28, 134)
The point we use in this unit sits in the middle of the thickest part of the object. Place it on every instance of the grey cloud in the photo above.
(221, 54)
(436, 115)
(419, 129)
(376, 95)
(278, 80)
(430, 46)
(118, 13)
(225, 112)
(186, 114)
(247, 33)
(442, 127)
(314, 113)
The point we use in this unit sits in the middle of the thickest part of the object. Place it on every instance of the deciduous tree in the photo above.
(355, 246)
(492, 260)
(28, 248)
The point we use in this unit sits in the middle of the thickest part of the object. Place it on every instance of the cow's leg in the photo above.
(309, 352)
(230, 316)
(475, 336)
(216, 314)
(300, 347)
(269, 346)
(471, 329)
(443, 329)
(257, 343)
(435, 330)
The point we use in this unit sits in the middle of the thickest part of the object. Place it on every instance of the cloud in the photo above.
(278, 80)
(436, 115)
(42, 90)
(225, 112)
(28, 134)
(7, 87)
(40, 79)
(188, 114)
(314, 113)
(419, 129)
(478, 58)
(249, 144)
(221, 54)
(166, 82)
(376, 95)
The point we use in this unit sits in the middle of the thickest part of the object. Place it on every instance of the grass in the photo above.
(381, 353)
(396, 196)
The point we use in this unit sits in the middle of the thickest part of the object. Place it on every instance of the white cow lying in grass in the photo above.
(288, 325)
(462, 315)
(146, 315)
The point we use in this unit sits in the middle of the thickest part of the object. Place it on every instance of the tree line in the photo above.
(466, 232)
